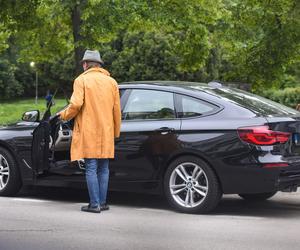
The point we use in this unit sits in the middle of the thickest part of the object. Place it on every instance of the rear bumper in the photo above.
(256, 179)
(289, 179)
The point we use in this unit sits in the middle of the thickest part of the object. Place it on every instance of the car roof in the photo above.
(172, 85)
(165, 83)
(200, 90)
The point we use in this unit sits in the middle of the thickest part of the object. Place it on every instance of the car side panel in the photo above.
(141, 149)
(237, 164)
(19, 141)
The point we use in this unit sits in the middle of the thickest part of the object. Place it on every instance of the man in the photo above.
(49, 104)
(95, 104)
(49, 99)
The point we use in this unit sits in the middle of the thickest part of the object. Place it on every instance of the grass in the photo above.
(12, 111)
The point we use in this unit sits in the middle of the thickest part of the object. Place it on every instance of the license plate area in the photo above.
(296, 139)
(295, 144)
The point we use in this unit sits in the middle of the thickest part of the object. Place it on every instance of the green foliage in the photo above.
(9, 86)
(18, 14)
(257, 42)
(50, 39)
(264, 40)
(149, 56)
(289, 96)
(139, 50)
(4, 35)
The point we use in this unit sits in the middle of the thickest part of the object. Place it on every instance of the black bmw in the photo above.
(191, 142)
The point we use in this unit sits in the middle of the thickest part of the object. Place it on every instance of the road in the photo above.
(45, 218)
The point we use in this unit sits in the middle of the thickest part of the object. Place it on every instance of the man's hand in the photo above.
(56, 116)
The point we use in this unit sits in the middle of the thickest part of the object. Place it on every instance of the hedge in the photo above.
(288, 96)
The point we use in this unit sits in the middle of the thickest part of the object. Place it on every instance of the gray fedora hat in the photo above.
(92, 56)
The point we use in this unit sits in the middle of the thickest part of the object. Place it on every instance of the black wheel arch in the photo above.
(15, 180)
(11, 150)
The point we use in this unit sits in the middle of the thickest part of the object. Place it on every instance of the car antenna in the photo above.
(215, 84)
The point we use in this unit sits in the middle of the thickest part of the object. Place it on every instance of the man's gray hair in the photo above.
(91, 64)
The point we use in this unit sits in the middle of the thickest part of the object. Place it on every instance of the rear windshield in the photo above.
(255, 103)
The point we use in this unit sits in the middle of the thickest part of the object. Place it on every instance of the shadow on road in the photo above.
(81, 196)
(280, 206)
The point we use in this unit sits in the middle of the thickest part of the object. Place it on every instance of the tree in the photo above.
(263, 40)
(9, 86)
(201, 40)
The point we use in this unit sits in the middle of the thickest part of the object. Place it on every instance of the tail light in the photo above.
(262, 135)
(275, 165)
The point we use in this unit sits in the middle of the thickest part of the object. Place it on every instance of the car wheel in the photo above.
(191, 186)
(10, 180)
(257, 197)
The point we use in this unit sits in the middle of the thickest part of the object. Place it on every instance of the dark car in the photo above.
(191, 142)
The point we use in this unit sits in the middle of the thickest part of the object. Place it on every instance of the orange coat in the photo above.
(95, 104)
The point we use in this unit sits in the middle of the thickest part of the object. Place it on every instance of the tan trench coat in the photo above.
(95, 104)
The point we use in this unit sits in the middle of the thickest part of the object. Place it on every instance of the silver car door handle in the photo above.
(165, 130)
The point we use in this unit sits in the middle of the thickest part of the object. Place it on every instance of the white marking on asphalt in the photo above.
(239, 217)
(30, 200)
(150, 210)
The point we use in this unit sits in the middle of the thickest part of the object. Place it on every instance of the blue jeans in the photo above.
(97, 175)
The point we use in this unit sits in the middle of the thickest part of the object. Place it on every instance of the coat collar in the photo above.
(96, 69)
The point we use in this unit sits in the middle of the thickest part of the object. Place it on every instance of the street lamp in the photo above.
(32, 65)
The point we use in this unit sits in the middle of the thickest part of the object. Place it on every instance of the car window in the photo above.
(257, 104)
(121, 92)
(149, 104)
(191, 107)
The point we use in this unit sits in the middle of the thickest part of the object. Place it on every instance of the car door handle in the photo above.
(165, 130)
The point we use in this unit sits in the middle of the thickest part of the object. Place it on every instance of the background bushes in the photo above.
(288, 96)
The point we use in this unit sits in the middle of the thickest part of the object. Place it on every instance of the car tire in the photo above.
(10, 179)
(258, 197)
(191, 186)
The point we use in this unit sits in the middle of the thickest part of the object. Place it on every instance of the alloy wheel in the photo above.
(4, 172)
(188, 185)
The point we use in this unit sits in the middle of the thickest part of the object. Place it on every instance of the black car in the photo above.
(191, 142)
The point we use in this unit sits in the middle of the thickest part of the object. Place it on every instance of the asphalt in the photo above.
(50, 218)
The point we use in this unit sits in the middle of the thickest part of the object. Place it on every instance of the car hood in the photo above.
(19, 126)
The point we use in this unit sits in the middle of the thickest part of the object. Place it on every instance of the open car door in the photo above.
(50, 153)
(40, 148)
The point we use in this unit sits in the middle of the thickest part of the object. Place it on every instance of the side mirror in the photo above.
(31, 116)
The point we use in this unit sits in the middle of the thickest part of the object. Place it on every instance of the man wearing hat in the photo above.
(95, 105)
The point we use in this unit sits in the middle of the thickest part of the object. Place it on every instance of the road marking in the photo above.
(30, 200)
(151, 210)
(239, 217)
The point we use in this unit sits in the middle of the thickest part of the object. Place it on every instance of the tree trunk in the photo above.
(76, 24)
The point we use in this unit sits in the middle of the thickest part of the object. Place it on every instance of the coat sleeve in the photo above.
(117, 112)
(76, 101)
